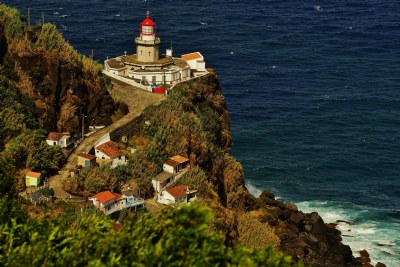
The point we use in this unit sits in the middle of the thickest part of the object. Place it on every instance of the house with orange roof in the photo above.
(196, 62)
(59, 139)
(33, 179)
(177, 195)
(109, 203)
(109, 152)
(176, 164)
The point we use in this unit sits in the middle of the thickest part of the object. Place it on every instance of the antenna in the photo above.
(171, 44)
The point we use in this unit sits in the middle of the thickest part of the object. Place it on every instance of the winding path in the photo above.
(136, 99)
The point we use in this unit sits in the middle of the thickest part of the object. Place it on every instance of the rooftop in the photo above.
(179, 159)
(34, 174)
(191, 56)
(172, 163)
(106, 196)
(87, 156)
(178, 191)
(132, 59)
(110, 149)
(163, 176)
(115, 63)
(54, 136)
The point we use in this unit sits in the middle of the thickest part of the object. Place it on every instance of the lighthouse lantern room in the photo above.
(147, 44)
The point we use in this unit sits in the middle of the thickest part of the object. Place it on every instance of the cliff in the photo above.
(64, 85)
(193, 121)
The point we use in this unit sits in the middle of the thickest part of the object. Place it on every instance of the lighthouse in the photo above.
(149, 70)
(147, 44)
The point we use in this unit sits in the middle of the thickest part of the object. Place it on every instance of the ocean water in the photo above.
(313, 90)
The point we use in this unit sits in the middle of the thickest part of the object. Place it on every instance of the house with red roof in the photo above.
(109, 152)
(109, 203)
(177, 195)
(59, 139)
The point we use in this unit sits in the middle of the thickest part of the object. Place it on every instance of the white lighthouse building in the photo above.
(148, 68)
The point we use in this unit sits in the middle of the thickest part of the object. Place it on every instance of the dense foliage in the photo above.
(174, 237)
(26, 146)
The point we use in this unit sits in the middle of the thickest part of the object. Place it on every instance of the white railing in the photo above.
(128, 81)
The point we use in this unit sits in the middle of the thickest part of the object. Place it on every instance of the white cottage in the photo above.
(176, 164)
(109, 151)
(177, 194)
(59, 139)
(196, 61)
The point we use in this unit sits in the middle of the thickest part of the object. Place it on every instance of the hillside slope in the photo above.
(64, 85)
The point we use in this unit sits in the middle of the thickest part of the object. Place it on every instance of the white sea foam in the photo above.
(318, 8)
(253, 189)
(359, 232)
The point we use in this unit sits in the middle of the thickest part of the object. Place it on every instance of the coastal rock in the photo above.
(291, 207)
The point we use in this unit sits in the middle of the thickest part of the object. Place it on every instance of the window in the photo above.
(147, 29)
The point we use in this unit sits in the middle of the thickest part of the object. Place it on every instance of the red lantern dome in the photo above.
(148, 22)
(147, 26)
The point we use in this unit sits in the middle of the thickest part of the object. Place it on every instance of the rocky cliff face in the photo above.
(303, 236)
(64, 85)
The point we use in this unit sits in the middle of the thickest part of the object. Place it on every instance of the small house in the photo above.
(33, 179)
(109, 151)
(59, 139)
(109, 203)
(177, 194)
(86, 160)
(106, 201)
(176, 164)
(196, 61)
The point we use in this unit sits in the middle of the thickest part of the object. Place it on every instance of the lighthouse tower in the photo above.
(147, 44)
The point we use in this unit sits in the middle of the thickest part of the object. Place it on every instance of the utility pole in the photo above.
(83, 125)
(92, 54)
(29, 17)
(42, 18)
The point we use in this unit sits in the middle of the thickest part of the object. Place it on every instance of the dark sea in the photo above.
(313, 90)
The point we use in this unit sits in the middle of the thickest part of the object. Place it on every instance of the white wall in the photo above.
(165, 198)
(51, 143)
(201, 65)
(168, 168)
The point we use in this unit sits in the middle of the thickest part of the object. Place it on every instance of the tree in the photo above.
(9, 204)
(175, 237)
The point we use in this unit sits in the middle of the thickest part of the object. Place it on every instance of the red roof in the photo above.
(87, 156)
(172, 163)
(55, 136)
(34, 174)
(106, 196)
(110, 149)
(178, 191)
(195, 55)
(147, 22)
